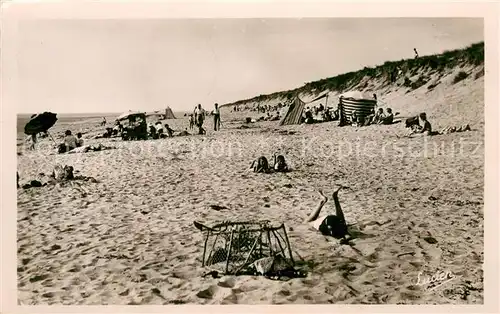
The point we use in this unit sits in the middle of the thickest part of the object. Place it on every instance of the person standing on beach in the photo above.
(32, 141)
(191, 121)
(216, 117)
(199, 117)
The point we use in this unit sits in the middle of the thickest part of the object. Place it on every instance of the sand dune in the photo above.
(129, 238)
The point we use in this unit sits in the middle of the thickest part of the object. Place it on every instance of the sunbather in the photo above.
(260, 165)
(279, 163)
(426, 129)
(329, 225)
(89, 148)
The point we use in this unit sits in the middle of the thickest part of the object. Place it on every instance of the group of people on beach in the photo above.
(378, 117)
(333, 225)
(70, 142)
(197, 118)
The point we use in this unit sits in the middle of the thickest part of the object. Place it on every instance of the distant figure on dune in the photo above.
(216, 117)
(329, 225)
(416, 52)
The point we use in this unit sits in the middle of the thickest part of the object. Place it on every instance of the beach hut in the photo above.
(357, 101)
(294, 113)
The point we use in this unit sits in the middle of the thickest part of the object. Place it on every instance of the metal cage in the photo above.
(231, 247)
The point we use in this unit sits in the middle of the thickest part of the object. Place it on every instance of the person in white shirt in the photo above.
(330, 225)
(70, 141)
(216, 117)
(199, 117)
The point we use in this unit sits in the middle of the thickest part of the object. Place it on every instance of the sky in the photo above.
(83, 66)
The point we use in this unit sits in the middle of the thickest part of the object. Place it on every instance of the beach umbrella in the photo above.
(40, 123)
(126, 115)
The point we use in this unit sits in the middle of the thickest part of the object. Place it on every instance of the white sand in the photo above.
(132, 232)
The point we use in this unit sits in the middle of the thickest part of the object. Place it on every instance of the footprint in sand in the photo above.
(214, 292)
(227, 282)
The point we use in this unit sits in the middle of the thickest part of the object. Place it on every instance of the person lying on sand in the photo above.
(280, 163)
(89, 148)
(260, 165)
(453, 129)
(426, 129)
(330, 225)
(184, 133)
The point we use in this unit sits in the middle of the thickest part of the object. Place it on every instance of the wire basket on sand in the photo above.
(234, 248)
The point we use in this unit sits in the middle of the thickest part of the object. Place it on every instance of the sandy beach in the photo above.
(130, 239)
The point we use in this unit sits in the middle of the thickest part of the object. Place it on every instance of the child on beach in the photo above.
(280, 163)
(79, 141)
(191, 121)
(329, 225)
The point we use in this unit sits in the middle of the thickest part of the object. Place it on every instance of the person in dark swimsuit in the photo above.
(330, 225)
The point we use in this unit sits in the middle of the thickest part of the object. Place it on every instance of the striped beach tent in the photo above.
(357, 101)
(294, 113)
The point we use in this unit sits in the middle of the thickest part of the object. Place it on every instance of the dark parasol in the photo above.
(41, 122)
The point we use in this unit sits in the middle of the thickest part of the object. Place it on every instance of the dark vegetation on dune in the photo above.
(471, 55)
